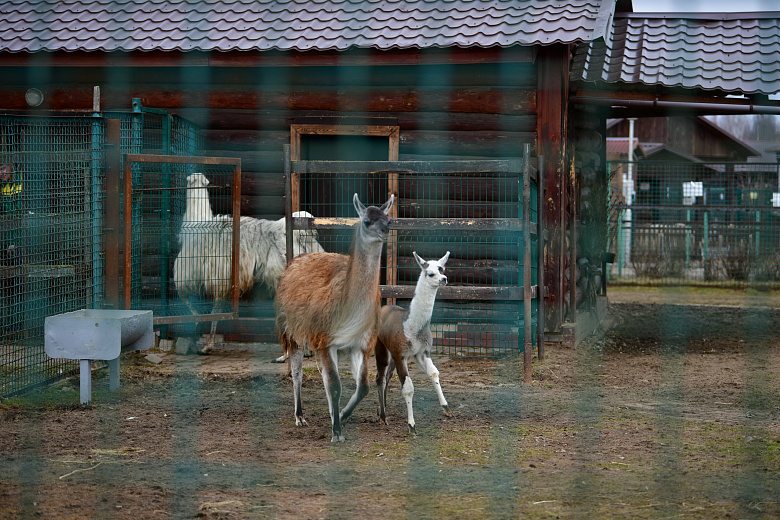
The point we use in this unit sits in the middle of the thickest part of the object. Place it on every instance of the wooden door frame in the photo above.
(392, 132)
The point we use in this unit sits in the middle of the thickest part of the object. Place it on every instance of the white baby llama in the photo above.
(202, 266)
(406, 334)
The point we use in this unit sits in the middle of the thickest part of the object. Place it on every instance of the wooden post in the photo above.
(552, 104)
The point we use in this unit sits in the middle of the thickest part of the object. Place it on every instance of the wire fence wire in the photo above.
(486, 257)
(682, 223)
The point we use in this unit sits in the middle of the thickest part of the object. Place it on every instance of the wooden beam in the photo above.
(553, 96)
(272, 58)
(171, 96)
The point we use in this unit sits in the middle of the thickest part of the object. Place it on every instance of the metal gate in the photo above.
(485, 212)
(169, 241)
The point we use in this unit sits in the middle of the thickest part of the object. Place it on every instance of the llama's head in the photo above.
(197, 180)
(374, 222)
(306, 239)
(432, 270)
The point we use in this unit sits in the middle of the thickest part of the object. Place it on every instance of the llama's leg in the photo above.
(407, 390)
(359, 360)
(330, 378)
(424, 360)
(209, 346)
(296, 370)
(382, 356)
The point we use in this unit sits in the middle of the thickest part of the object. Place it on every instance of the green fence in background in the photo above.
(695, 223)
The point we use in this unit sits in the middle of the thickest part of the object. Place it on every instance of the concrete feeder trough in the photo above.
(89, 334)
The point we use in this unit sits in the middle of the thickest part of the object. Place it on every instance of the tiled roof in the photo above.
(731, 52)
(223, 25)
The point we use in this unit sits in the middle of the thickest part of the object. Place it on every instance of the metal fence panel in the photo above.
(52, 209)
(474, 211)
(51, 257)
(695, 222)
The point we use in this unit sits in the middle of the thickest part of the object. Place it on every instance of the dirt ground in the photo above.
(674, 412)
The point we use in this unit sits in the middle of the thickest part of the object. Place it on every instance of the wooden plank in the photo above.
(481, 100)
(507, 293)
(448, 224)
(280, 120)
(421, 167)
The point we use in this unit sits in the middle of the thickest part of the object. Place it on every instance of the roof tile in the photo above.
(223, 25)
(732, 53)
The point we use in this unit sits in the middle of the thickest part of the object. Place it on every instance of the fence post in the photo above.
(705, 252)
(688, 240)
(620, 242)
(758, 233)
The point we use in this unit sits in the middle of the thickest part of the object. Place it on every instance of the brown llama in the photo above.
(330, 302)
(405, 334)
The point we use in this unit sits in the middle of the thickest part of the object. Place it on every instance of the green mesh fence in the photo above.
(695, 222)
(52, 260)
(51, 241)
(488, 257)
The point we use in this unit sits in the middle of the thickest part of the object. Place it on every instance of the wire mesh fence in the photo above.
(678, 223)
(476, 214)
(51, 243)
(52, 208)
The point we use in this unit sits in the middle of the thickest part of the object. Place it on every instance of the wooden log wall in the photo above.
(459, 105)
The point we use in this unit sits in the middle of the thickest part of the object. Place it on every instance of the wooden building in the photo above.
(450, 80)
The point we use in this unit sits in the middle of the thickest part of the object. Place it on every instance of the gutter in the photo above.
(686, 106)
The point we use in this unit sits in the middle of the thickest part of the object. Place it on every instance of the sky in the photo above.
(709, 6)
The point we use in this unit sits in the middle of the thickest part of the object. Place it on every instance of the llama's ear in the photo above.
(422, 263)
(443, 260)
(359, 207)
(387, 205)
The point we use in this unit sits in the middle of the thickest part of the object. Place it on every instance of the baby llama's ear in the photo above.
(422, 263)
(443, 260)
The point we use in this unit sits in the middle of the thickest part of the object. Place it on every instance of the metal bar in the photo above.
(192, 318)
(686, 106)
(540, 261)
(113, 212)
(527, 324)
(165, 245)
(709, 207)
(288, 203)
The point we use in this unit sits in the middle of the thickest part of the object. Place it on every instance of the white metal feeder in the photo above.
(89, 334)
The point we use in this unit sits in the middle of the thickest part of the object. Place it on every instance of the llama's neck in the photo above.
(198, 206)
(421, 308)
(362, 269)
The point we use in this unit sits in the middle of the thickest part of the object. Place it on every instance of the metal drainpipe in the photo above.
(703, 108)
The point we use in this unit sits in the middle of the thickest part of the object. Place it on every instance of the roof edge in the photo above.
(704, 16)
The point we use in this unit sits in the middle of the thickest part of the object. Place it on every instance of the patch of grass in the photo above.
(60, 396)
